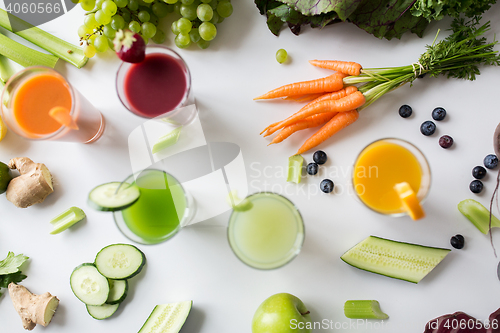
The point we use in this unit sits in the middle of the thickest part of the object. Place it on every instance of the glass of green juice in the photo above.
(163, 208)
(266, 230)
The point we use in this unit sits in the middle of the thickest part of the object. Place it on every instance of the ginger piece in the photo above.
(33, 309)
(32, 186)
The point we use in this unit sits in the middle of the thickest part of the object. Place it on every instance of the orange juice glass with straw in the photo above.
(39, 104)
(392, 177)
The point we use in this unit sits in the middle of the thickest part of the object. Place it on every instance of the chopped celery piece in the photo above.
(66, 219)
(238, 204)
(6, 70)
(295, 163)
(24, 55)
(363, 310)
(43, 39)
(478, 215)
(167, 140)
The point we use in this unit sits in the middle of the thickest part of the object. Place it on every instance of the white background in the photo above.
(198, 264)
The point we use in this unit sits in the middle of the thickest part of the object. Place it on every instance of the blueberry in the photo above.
(438, 114)
(312, 169)
(320, 157)
(326, 185)
(446, 141)
(405, 111)
(476, 186)
(457, 241)
(427, 128)
(478, 172)
(491, 161)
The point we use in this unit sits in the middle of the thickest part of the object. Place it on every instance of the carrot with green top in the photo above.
(309, 122)
(327, 84)
(346, 67)
(339, 121)
(347, 103)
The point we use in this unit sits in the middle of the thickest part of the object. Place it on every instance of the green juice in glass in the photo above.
(266, 232)
(156, 216)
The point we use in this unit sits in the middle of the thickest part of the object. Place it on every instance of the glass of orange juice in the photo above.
(32, 93)
(381, 167)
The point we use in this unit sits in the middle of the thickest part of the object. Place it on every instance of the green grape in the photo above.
(159, 37)
(84, 31)
(90, 21)
(171, 2)
(204, 12)
(182, 40)
(174, 28)
(121, 3)
(188, 12)
(160, 9)
(224, 8)
(148, 1)
(144, 4)
(177, 7)
(215, 17)
(135, 26)
(109, 31)
(110, 44)
(109, 7)
(281, 56)
(102, 18)
(221, 19)
(98, 3)
(187, 2)
(117, 22)
(101, 43)
(143, 16)
(126, 16)
(213, 4)
(206, 1)
(203, 44)
(148, 29)
(184, 25)
(89, 51)
(207, 31)
(87, 5)
(194, 35)
(133, 4)
(153, 19)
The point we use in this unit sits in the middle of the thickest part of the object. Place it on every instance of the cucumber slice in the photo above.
(478, 215)
(89, 285)
(5, 177)
(117, 292)
(295, 163)
(105, 198)
(364, 310)
(404, 261)
(66, 219)
(102, 311)
(120, 261)
(167, 318)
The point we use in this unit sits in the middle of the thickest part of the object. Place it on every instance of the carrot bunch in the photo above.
(333, 104)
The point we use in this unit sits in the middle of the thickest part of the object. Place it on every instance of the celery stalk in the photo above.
(363, 309)
(58, 47)
(295, 164)
(6, 70)
(24, 55)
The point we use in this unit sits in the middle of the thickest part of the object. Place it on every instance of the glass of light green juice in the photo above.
(163, 208)
(266, 230)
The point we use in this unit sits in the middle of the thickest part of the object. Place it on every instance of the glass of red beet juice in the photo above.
(159, 86)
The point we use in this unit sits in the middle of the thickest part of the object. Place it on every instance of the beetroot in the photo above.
(129, 46)
(494, 322)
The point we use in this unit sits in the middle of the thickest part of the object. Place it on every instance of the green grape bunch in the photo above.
(197, 22)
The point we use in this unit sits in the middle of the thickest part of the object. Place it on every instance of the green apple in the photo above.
(282, 313)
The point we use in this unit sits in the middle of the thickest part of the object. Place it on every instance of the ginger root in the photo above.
(34, 184)
(33, 309)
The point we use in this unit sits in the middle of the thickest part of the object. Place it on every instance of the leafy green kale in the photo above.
(9, 269)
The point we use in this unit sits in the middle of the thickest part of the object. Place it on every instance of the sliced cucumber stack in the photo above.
(102, 311)
(120, 261)
(106, 197)
(118, 291)
(404, 261)
(90, 286)
(167, 318)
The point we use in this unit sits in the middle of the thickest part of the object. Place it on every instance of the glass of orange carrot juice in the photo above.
(31, 94)
(381, 167)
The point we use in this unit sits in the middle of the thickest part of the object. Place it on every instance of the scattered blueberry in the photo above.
(427, 128)
(491, 161)
(405, 111)
(312, 169)
(478, 172)
(326, 185)
(320, 157)
(446, 141)
(476, 186)
(457, 241)
(438, 114)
